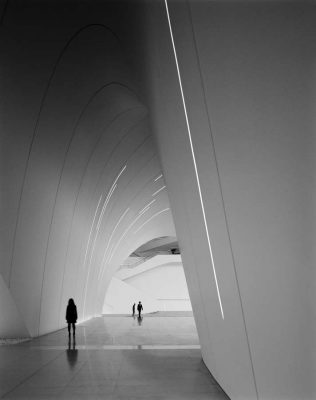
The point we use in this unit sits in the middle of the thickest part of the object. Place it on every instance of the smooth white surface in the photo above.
(163, 282)
(121, 296)
(75, 101)
(161, 278)
(249, 89)
(80, 124)
(194, 160)
(11, 322)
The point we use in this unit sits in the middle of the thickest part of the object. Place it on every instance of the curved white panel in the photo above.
(11, 321)
(81, 96)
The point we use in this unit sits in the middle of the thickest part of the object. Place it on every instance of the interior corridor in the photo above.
(115, 357)
(162, 151)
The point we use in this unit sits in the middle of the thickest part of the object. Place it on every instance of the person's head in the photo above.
(71, 302)
(139, 302)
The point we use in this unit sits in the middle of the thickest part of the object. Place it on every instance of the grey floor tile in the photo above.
(111, 361)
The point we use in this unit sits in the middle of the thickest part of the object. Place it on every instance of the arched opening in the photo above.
(153, 273)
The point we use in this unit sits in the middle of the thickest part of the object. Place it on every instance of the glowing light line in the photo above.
(158, 190)
(194, 161)
(109, 255)
(144, 210)
(100, 220)
(123, 169)
(105, 205)
(147, 206)
(95, 214)
(122, 237)
(113, 187)
(109, 241)
(93, 246)
(158, 177)
(108, 197)
(149, 219)
(141, 212)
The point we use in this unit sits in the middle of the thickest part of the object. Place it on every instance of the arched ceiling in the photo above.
(85, 167)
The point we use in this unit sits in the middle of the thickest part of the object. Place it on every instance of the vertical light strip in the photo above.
(194, 161)
(149, 219)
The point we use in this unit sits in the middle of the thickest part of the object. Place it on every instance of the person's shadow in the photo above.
(139, 320)
(72, 354)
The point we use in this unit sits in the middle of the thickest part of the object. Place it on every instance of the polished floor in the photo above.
(114, 358)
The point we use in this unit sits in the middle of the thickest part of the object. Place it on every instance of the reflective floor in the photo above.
(114, 358)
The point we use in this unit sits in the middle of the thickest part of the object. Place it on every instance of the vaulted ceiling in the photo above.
(84, 186)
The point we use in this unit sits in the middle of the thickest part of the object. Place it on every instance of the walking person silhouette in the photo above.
(71, 317)
(133, 308)
(139, 309)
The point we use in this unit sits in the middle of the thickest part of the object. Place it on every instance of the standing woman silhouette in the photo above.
(71, 316)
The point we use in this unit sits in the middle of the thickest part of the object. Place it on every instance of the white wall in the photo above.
(11, 322)
(249, 84)
(165, 283)
(160, 279)
(121, 296)
(71, 120)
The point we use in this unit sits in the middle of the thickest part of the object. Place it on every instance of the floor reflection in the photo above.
(113, 358)
(72, 353)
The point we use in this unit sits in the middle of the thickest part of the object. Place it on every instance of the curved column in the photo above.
(239, 109)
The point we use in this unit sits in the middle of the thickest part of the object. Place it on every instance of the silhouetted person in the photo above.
(71, 316)
(139, 309)
(134, 309)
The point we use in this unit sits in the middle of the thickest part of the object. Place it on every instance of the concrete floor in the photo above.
(114, 358)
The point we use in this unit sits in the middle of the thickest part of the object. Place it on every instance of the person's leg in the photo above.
(68, 329)
(74, 328)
